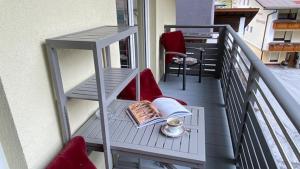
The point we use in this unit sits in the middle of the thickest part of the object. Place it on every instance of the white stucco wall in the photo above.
(161, 13)
(23, 67)
(165, 15)
(258, 27)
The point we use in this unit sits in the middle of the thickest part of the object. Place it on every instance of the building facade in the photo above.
(274, 33)
(224, 3)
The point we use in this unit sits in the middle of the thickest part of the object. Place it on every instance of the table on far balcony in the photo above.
(149, 143)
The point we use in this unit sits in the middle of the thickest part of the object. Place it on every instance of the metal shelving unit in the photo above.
(103, 86)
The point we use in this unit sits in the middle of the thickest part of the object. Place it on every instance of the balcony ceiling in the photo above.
(280, 4)
(232, 16)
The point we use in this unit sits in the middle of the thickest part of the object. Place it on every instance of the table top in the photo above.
(150, 142)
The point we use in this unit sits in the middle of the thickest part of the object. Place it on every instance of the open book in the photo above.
(145, 113)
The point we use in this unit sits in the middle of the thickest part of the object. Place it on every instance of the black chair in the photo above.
(177, 53)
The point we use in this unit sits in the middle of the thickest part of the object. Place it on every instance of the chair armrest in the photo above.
(177, 53)
(199, 49)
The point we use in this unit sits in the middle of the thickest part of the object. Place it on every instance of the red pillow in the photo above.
(149, 88)
(73, 156)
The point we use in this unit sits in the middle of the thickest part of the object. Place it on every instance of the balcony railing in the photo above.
(286, 24)
(263, 117)
(286, 47)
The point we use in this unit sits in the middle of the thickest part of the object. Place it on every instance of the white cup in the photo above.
(174, 125)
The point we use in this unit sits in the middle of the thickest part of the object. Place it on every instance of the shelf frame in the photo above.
(98, 40)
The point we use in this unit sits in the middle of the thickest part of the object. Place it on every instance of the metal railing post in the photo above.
(231, 67)
(287, 102)
(253, 74)
(221, 46)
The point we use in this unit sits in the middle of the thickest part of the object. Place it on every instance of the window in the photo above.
(245, 2)
(124, 10)
(273, 56)
(288, 14)
(247, 28)
(3, 162)
(251, 29)
(285, 36)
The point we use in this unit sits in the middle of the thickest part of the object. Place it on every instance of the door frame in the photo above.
(144, 8)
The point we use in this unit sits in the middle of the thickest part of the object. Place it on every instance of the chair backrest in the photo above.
(73, 156)
(173, 42)
(149, 88)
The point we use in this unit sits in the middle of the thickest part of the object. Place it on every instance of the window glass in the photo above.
(288, 14)
(3, 162)
(273, 56)
(123, 20)
(283, 36)
(122, 12)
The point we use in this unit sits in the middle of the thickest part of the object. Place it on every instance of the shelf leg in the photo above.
(60, 96)
(107, 57)
(137, 62)
(97, 53)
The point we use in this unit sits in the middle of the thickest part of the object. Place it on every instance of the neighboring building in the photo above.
(274, 33)
(237, 18)
(226, 3)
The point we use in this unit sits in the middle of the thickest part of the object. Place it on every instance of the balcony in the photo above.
(286, 25)
(251, 120)
(284, 47)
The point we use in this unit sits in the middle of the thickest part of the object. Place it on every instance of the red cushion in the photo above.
(149, 88)
(73, 156)
(173, 42)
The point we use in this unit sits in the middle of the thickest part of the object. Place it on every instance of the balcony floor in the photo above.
(208, 94)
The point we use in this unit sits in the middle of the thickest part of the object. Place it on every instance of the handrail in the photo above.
(247, 103)
(284, 98)
(194, 26)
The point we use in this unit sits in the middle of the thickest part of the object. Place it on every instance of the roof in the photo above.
(280, 4)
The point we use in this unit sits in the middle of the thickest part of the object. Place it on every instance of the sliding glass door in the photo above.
(133, 12)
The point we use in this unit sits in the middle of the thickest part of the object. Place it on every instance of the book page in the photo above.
(170, 107)
(143, 112)
(145, 123)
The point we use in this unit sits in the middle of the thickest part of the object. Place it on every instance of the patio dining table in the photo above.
(149, 143)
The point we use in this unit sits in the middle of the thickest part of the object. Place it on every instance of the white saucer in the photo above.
(166, 132)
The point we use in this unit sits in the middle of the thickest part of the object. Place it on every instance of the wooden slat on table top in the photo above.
(125, 136)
